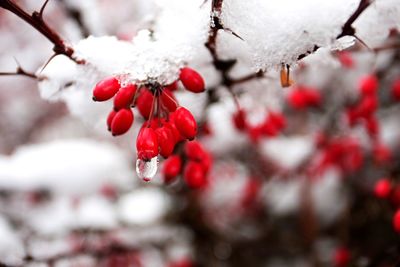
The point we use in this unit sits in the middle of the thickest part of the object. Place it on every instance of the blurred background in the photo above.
(301, 176)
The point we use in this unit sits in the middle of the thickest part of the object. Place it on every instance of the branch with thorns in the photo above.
(36, 21)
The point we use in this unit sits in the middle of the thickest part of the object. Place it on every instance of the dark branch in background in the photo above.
(347, 28)
(76, 15)
(37, 22)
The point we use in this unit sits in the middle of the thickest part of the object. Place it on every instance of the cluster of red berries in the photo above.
(272, 125)
(167, 122)
(343, 152)
(194, 163)
(302, 97)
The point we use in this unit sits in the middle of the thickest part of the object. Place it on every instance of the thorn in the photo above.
(362, 42)
(48, 61)
(42, 9)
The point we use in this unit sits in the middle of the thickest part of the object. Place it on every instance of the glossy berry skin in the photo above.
(172, 168)
(168, 100)
(368, 85)
(382, 188)
(192, 80)
(194, 150)
(172, 87)
(194, 175)
(144, 102)
(175, 132)
(124, 97)
(121, 122)
(166, 141)
(147, 144)
(185, 123)
(105, 89)
(110, 118)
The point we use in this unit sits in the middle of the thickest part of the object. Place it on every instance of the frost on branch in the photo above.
(281, 31)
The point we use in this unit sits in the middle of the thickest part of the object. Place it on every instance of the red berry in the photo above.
(144, 102)
(105, 89)
(382, 153)
(166, 141)
(110, 118)
(278, 119)
(382, 188)
(192, 80)
(368, 85)
(367, 106)
(239, 119)
(194, 175)
(297, 99)
(396, 221)
(171, 125)
(168, 100)
(341, 257)
(346, 59)
(255, 133)
(313, 97)
(172, 87)
(396, 89)
(147, 143)
(172, 168)
(124, 98)
(372, 126)
(122, 121)
(194, 150)
(185, 123)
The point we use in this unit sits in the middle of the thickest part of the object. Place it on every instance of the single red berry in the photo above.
(166, 141)
(313, 97)
(192, 80)
(368, 85)
(172, 168)
(147, 143)
(110, 118)
(105, 89)
(278, 119)
(255, 133)
(194, 150)
(185, 123)
(194, 175)
(124, 97)
(396, 89)
(382, 188)
(297, 99)
(168, 100)
(144, 102)
(346, 59)
(341, 257)
(239, 119)
(396, 221)
(122, 121)
(250, 192)
(381, 153)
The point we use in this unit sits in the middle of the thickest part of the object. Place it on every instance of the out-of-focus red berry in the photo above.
(194, 175)
(172, 168)
(341, 257)
(239, 119)
(396, 221)
(368, 85)
(382, 188)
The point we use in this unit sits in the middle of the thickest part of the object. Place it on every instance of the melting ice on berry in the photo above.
(146, 169)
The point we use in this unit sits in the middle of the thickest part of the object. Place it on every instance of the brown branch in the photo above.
(37, 22)
(347, 28)
(20, 71)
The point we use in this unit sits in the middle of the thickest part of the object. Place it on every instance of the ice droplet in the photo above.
(146, 169)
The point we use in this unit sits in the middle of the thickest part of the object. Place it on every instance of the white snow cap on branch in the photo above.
(279, 31)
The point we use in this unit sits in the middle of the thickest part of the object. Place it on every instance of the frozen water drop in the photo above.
(146, 169)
